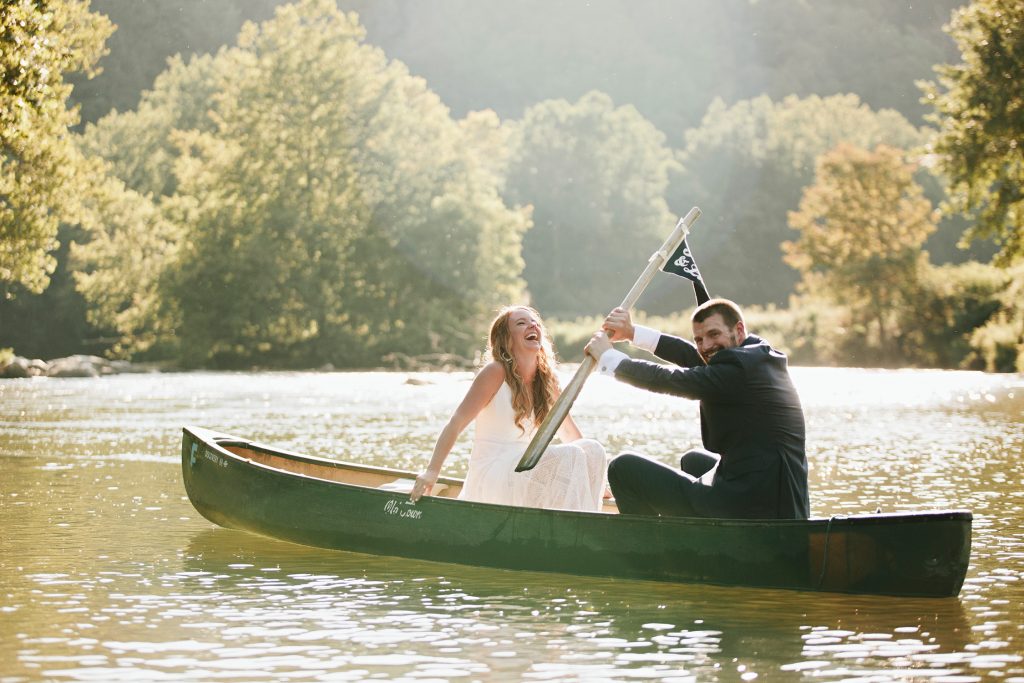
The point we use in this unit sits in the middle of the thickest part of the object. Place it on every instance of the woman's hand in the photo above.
(424, 485)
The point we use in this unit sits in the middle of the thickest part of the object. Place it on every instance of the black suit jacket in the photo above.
(750, 414)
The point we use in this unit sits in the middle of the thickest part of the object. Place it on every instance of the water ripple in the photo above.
(108, 574)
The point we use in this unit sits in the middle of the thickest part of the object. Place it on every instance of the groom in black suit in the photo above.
(752, 424)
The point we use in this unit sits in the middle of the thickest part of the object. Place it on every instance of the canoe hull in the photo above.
(893, 554)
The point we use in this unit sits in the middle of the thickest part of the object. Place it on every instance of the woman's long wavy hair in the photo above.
(535, 400)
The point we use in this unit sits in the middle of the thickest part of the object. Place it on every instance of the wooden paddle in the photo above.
(561, 408)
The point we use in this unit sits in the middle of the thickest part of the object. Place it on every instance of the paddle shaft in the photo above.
(553, 420)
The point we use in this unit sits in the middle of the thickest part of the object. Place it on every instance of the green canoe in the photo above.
(325, 503)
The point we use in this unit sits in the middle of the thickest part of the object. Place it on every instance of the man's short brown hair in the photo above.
(730, 312)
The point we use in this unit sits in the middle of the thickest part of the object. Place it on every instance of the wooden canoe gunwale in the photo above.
(908, 554)
(320, 468)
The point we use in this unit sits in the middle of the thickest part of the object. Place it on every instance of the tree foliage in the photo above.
(862, 224)
(324, 207)
(746, 166)
(123, 265)
(670, 59)
(117, 266)
(298, 198)
(148, 35)
(42, 174)
(979, 108)
(596, 176)
(998, 345)
(949, 307)
(140, 144)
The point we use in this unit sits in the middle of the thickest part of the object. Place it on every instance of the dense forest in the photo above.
(248, 182)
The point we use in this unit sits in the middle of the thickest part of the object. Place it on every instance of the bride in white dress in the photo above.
(508, 399)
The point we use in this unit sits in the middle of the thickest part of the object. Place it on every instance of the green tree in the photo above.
(497, 54)
(151, 33)
(123, 265)
(54, 323)
(862, 224)
(595, 175)
(998, 345)
(746, 166)
(979, 108)
(947, 307)
(325, 206)
(117, 268)
(140, 144)
(42, 174)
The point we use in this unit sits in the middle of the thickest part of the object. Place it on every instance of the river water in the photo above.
(107, 573)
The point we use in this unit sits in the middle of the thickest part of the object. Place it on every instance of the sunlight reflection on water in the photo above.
(107, 573)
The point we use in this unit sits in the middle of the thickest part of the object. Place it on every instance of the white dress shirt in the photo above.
(645, 338)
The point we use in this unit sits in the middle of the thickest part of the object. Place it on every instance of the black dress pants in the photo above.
(642, 486)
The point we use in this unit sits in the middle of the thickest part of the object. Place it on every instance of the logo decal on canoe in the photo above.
(393, 507)
(214, 458)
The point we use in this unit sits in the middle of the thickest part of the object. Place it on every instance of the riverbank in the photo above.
(84, 365)
(79, 365)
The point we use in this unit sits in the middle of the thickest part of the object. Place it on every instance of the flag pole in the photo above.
(555, 417)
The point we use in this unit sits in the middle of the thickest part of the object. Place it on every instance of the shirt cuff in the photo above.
(610, 360)
(645, 338)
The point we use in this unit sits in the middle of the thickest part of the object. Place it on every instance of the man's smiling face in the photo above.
(711, 335)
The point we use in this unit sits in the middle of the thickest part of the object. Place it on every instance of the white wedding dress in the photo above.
(569, 476)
